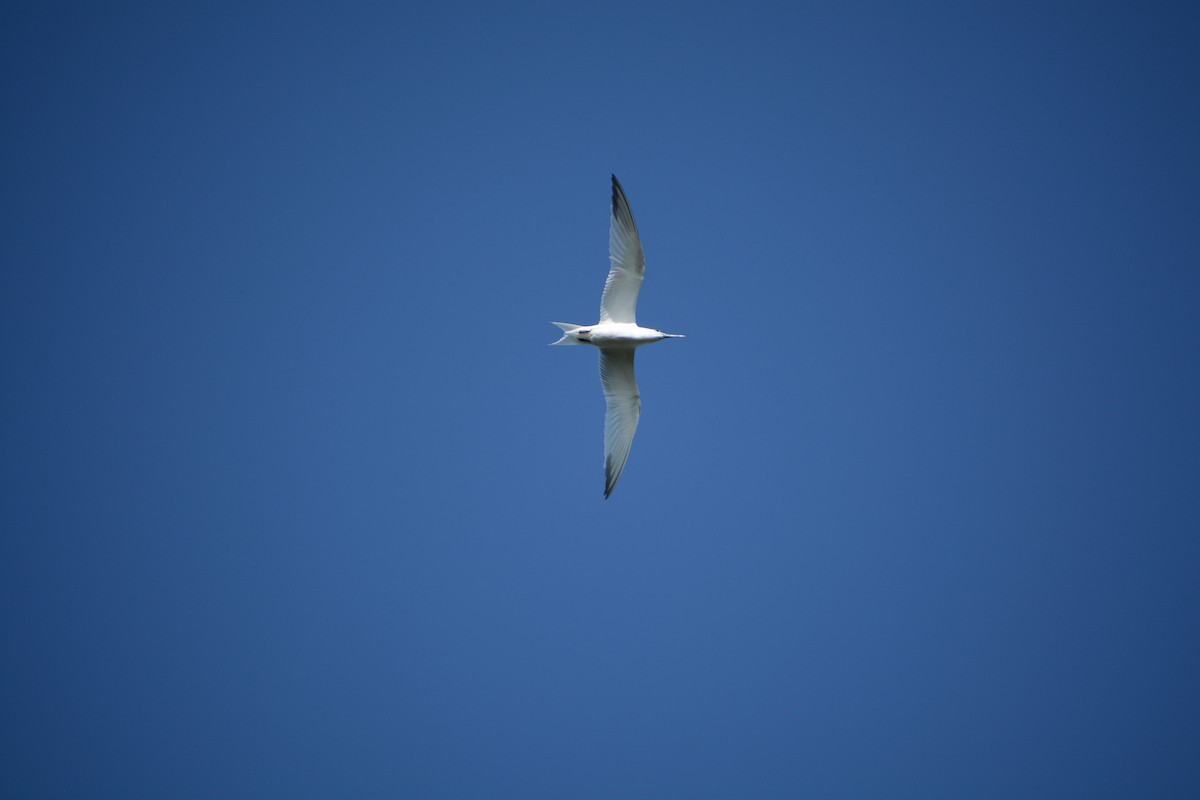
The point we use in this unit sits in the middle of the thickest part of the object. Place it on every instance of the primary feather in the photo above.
(623, 410)
(628, 264)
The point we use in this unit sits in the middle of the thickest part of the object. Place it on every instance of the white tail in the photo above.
(566, 337)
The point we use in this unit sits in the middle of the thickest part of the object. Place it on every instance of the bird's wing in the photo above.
(619, 303)
(624, 409)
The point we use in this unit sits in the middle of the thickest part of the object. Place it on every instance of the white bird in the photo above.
(617, 334)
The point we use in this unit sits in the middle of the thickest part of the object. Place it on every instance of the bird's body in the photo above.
(617, 335)
(614, 334)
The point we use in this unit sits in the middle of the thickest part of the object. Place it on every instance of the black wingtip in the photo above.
(619, 200)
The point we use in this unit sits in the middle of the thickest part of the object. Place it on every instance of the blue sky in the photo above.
(296, 501)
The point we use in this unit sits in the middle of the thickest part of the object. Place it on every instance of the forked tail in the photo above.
(566, 337)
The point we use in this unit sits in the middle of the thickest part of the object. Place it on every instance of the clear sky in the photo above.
(296, 501)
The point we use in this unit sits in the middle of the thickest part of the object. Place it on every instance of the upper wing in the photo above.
(619, 303)
(624, 409)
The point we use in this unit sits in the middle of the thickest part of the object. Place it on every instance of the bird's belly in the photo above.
(623, 336)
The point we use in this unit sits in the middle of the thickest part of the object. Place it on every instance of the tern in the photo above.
(617, 335)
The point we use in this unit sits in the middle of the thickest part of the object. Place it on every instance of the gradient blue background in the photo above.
(298, 503)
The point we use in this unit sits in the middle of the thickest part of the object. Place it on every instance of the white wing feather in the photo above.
(624, 410)
(628, 267)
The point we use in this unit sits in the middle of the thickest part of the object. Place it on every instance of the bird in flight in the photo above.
(617, 335)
